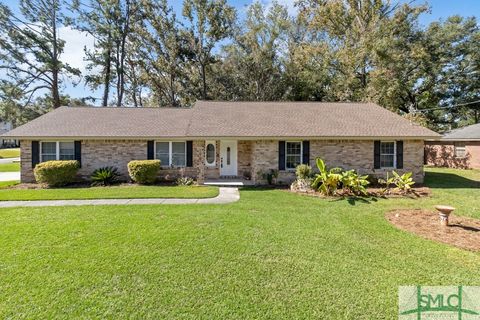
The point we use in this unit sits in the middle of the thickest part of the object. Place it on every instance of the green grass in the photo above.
(114, 192)
(6, 184)
(272, 255)
(9, 153)
(9, 167)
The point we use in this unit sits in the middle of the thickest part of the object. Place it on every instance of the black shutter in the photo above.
(376, 154)
(150, 155)
(281, 155)
(189, 153)
(78, 152)
(35, 153)
(399, 154)
(306, 152)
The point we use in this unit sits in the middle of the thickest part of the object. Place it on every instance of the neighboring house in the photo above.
(227, 139)
(4, 128)
(459, 148)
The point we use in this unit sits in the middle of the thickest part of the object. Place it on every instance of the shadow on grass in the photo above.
(353, 200)
(443, 180)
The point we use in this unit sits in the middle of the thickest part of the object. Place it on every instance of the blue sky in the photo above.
(75, 42)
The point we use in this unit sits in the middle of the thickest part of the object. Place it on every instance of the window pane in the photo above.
(178, 147)
(460, 152)
(162, 153)
(293, 147)
(67, 151)
(386, 160)
(49, 151)
(293, 154)
(48, 157)
(178, 154)
(387, 148)
(210, 153)
(49, 147)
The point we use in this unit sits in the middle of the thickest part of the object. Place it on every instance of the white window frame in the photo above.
(394, 154)
(214, 153)
(170, 153)
(286, 154)
(57, 149)
(455, 150)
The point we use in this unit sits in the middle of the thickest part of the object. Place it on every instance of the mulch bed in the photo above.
(462, 232)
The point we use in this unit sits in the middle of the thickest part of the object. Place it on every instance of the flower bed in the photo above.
(376, 192)
(462, 232)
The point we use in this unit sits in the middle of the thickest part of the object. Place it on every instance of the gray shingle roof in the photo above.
(225, 119)
(471, 132)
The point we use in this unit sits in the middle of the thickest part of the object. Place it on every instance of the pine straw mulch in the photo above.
(462, 232)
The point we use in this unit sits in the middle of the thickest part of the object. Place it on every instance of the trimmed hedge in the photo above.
(143, 171)
(56, 173)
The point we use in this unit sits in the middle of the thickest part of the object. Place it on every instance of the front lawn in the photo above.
(273, 254)
(114, 192)
(9, 153)
(9, 167)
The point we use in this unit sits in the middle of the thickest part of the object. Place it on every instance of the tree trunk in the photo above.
(107, 72)
(121, 73)
(204, 82)
(55, 63)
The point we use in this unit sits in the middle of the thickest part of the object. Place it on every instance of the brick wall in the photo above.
(348, 154)
(26, 172)
(245, 158)
(442, 154)
(117, 153)
(253, 156)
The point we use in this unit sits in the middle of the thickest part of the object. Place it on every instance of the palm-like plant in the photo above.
(327, 180)
(354, 183)
(403, 182)
(105, 176)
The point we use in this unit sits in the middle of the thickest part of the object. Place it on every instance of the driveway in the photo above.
(9, 176)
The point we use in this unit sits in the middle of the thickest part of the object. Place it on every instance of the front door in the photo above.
(228, 158)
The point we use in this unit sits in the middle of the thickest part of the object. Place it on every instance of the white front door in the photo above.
(228, 158)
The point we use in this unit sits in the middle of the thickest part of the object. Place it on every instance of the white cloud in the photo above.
(75, 42)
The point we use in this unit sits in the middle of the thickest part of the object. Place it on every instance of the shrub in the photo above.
(105, 176)
(143, 171)
(56, 173)
(354, 183)
(185, 181)
(269, 175)
(327, 180)
(402, 182)
(303, 171)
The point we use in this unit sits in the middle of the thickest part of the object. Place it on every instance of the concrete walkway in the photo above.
(9, 160)
(225, 195)
(9, 176)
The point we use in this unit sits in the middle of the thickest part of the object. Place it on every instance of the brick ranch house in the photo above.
(459, 148)
(212, 140)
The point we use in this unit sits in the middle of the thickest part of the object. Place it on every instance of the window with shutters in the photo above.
(388, 154)
(293, 154)
(171, 153)
(57, 150)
